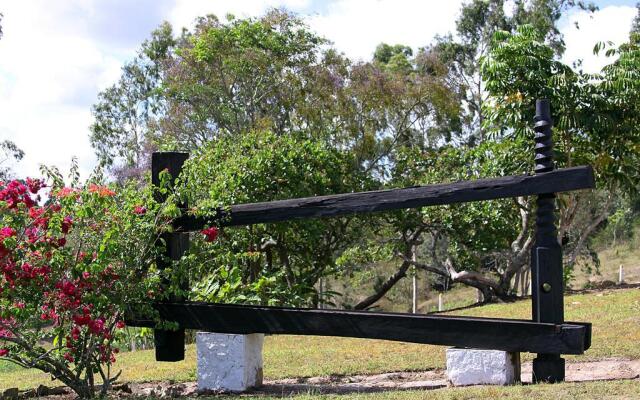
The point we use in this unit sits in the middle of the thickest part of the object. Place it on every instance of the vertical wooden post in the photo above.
(414, 297)
(320, 293)
(621, 275)
(414, 282)
(546, 255)
(169, 344)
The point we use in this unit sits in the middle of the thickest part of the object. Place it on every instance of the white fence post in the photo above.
(414, 303)
(621, 275)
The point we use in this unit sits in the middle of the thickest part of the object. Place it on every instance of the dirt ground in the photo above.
(612, 369)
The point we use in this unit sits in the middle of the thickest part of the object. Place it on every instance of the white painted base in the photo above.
(482, 367)
(229, 362)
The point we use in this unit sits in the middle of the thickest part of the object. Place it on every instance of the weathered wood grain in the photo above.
(561, 180)
(484, 333)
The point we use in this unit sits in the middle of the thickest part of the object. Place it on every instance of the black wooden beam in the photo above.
(547, 291)
(561, 180)
(484, 333)
(169, 345)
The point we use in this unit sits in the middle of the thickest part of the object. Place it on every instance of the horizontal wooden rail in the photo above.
(485, 333)
(561, 180)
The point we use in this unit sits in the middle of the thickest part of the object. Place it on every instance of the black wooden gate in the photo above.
(546, 334)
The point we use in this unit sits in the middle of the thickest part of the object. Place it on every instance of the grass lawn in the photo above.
(615, 315)
(563, 391)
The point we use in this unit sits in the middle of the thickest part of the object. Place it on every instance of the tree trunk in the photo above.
(393, 279)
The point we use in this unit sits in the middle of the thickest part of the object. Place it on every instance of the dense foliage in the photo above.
(521, 67)
(268, 263)
(240, 81)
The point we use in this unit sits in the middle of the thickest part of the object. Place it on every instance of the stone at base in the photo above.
(229, 362)
(482, 367)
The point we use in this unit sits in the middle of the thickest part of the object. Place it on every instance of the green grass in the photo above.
(615, 315)
(564, 391)
(626, 254)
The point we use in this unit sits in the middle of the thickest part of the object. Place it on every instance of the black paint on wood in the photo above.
(485, 333)
(419, 196)
(547, 287)
(169, 345)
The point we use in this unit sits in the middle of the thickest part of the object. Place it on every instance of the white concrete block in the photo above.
(482, 367)
(229, 362)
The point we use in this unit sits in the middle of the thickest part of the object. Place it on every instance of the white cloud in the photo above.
(610, 23)
(184, 12)
(358, 26)
(355, 26)
(50, 71)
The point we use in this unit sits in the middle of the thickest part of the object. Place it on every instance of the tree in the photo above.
(486, 245)
(478, 21)
(8, 151)
(267, 73)
(124, 113)
(270, 263)
(226, 82)
(521, 68)
(635, 26)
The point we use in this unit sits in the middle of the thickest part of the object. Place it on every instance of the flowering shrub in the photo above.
(210, 234)
(69, 268)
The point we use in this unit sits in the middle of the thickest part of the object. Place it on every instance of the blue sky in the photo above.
(56, 56)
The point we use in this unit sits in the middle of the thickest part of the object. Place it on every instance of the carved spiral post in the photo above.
(546, 255)
(169, 345)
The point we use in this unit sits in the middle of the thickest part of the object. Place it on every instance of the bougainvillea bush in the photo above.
(72, 260)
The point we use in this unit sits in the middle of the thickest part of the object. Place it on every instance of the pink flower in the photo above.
(96, 326)
(67, 222)
(69, 288)
(7, 232)
(139, 210)
(28, 270)
(3, 352)
(120, 324)
(75, 333)
(81, 320)
(35, 185)
(43, 270)
(210, 234)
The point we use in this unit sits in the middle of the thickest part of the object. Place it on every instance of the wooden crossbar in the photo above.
(484, 333)
(561, 180)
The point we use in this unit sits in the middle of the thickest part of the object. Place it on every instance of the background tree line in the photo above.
(270, 110)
